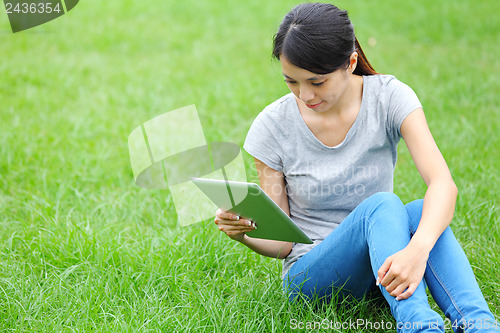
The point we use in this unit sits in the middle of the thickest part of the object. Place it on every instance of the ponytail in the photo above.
(363, 67)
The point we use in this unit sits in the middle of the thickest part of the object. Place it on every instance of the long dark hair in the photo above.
(319, 37)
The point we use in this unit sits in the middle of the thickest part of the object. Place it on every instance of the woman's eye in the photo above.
(314, 84)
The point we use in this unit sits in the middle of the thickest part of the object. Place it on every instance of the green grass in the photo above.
(83, 249)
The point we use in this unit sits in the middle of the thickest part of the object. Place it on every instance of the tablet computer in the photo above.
(249, 201)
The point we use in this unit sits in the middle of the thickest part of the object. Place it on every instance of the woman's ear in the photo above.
(353, 62)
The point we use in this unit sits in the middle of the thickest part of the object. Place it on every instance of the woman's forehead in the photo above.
(293, 72)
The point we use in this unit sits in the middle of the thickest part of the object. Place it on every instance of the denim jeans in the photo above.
(349, 257)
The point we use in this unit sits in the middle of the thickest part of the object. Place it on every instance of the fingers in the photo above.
(381, 273)
(222, 214)
(396, 287)
(402, 291)
(232, 224)
(388, 278)
(231, 227)
(401, 273)
(411, 289)
(240, 222)
(236, 225)
(235, 229)
(228, 218)
(395, 282)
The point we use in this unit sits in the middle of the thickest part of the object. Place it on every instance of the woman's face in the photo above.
(319, 92)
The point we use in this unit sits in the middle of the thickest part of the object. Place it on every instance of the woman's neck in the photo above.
(350, 101)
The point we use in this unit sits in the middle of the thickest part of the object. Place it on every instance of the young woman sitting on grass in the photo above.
(326, 152)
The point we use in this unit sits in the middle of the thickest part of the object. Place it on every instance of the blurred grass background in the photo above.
(83, 249)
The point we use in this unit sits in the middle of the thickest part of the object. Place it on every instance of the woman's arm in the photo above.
(405, 269)
(441, 194)
(273, 183)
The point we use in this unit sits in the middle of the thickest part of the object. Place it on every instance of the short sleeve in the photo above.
(402, 100)
(262, 143)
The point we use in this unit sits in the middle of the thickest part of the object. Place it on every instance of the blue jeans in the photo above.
(349, 257)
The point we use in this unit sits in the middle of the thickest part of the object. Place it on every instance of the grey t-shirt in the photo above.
(324, 184)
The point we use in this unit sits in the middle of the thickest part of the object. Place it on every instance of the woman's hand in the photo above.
(234, 226)
(402, 272)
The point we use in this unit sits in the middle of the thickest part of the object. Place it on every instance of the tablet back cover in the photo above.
(249, 201)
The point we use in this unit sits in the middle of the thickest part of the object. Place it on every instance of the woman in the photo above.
(326, 152)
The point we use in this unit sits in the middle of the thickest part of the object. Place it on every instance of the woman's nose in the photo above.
(306, 94)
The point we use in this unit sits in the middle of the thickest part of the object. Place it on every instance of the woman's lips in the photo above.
(312, 106)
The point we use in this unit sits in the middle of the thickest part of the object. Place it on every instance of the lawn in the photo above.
(82, 248)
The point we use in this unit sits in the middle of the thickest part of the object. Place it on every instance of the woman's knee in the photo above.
(384, 197)
(387, 200)
(385, 208)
